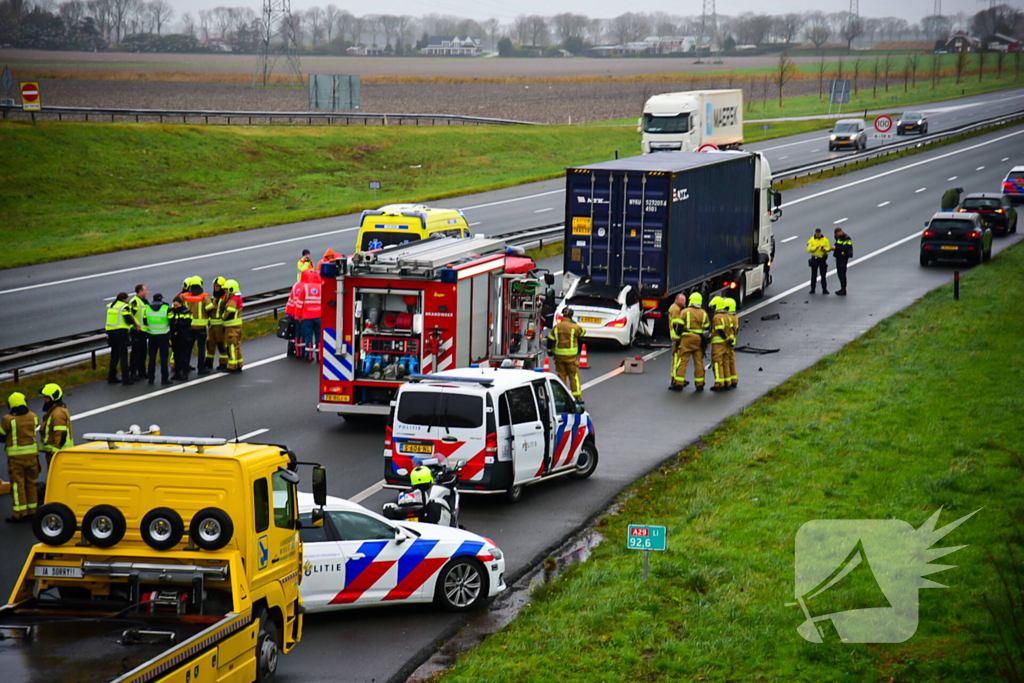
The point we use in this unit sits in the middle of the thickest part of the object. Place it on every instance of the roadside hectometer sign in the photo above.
(30, 96)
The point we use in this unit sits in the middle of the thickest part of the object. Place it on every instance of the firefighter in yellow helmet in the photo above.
(18, 428)
(730, 349)
(720, 326)
(233, 326)
(215, 337)
(564, 342)
(56, 432)
(686, 331)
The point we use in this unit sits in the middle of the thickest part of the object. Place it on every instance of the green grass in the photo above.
(921, 413)
(72, 189)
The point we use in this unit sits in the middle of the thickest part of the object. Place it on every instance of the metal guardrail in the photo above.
(885, 150)
(74, 348)
(250, 117)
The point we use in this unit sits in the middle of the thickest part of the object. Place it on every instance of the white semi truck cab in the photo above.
(684, 121)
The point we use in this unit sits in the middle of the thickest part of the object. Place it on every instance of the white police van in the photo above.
(509, 427)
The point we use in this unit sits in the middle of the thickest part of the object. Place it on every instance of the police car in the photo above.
(360, 559)
(507, 428)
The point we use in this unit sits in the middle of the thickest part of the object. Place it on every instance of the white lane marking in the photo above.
(920, 190)
(110, 298)
(177, 387)
(841, 220)
(1005, 159)
(781, 158)
(473, 224)
(514, 199)
(543, 210)
(980, 168)
(246, 437)
(792, 290)
(180, 260)
(367, 492)
(883, 204)
(272, 265)
(951, 178)
(815, 150)
(789, 239)
(884, 174)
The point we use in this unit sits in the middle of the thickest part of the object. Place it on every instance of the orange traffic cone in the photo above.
(583, 358)
(547, 364)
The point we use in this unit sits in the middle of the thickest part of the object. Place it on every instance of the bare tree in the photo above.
(119, 13)
(876, 68)
(160, 11)
(784, 71)
(492, 27)
(818, 29)
(354, 29)
(663, 25)
(331, 13)
(188, 24)
(856, 74)
(223, 21)
(913, 60)
(205, 23)
(568, 25)
(961, 65)
(935, 70)
(853, 28)
(887, 67)
(538, 30)
(788, 25)
(72, 12)
(315, 23)
(981, 60)
(521, 29)
(937, 27)
(629, 27)
(100, 11)
(821, 76)
(373, 25)
(389, 24)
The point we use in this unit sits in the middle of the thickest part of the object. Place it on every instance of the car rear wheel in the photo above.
(925, 261)
(462, 586)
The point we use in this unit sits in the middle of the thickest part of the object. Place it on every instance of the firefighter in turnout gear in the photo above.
(721, 324)
(564, 343)
(18, 428)
(180, 320)
(200, 305)
(215, 337)
(686, 331)
(730, 349)
(56, 432)
(233, 326)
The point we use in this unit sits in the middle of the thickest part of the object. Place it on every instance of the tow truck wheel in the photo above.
(586, 462)
(514, 494)
(103, 526)
(267, 650)
(162, 528)
(462, 586)
(211, 529)
(54, 524)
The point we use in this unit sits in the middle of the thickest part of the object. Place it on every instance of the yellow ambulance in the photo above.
(404, 223)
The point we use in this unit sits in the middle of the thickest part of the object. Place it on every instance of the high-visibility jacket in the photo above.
(118, 316)
(217, 312)
(180, 320)
(818, 248)
(137, 306)
(844, 247)
(734, 327)
(233, 311)
(19, 432)
(292, 298)
(303, 265)
(155, 318)
(720, 328)
(694, 321)
(307, 299)
(56, 432)
(566, 335)
(199, 305)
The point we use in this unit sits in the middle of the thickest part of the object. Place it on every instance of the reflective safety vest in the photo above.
(20, 433)
(818, 247)
(233, 312)
(137, 306)
(694, 320)
(115, 316)
(303, 265)
(307, 302)
(56, 423)
(154, 320)
(565, 334)
(722, 326)
(217, 312)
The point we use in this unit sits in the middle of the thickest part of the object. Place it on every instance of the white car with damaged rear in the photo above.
(360, 559)
(605, 312)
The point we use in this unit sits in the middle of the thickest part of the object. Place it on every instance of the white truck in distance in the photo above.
(683, 121)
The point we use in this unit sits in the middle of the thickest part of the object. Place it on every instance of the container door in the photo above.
(641, 259)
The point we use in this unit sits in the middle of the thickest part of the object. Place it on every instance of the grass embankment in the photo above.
(72, 189)
(83, 373)
(921, 413)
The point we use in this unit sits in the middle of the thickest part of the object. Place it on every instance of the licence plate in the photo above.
(945, 248)
(419, 448)
(595, 321)
(59, 572)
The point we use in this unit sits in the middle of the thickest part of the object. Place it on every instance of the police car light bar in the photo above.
(113, 439)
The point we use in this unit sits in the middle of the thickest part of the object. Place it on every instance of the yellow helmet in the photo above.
(420, 476)
(219, 280)
(730, 304)
(696, 299)
(16, 400)
(197, 280)
(231, 286)
(52, 391)
(717, 303)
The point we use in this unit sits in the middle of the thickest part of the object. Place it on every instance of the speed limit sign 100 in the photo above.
(883, 124)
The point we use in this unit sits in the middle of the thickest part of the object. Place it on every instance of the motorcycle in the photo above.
(439, 504)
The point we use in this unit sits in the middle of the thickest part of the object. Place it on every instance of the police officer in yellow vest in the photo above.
(18, 428)
(686, 330)
(818, 247)
(119, 322)
(564, 341)
(215, 337)
(56, 432)
(233, 326)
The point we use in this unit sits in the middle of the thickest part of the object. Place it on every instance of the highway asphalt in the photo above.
(883, 209)
(52, 300)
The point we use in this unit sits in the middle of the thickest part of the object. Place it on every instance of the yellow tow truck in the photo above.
(163, 559)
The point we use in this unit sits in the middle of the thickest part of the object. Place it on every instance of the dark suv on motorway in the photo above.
(912, 122)
(995, 209)
(955, 236)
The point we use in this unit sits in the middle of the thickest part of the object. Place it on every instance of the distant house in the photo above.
(452, 46)
(219, 45)
(603, 51)
(997, 42)
(363, 51)
(664, 45)
(961, 42)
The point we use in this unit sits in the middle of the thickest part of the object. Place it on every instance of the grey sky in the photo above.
(506, 10)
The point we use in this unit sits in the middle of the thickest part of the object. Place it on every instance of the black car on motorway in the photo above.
(955, 236)
(912, 122)
(996, 211)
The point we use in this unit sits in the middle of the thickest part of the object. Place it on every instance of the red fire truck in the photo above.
(425, 307)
